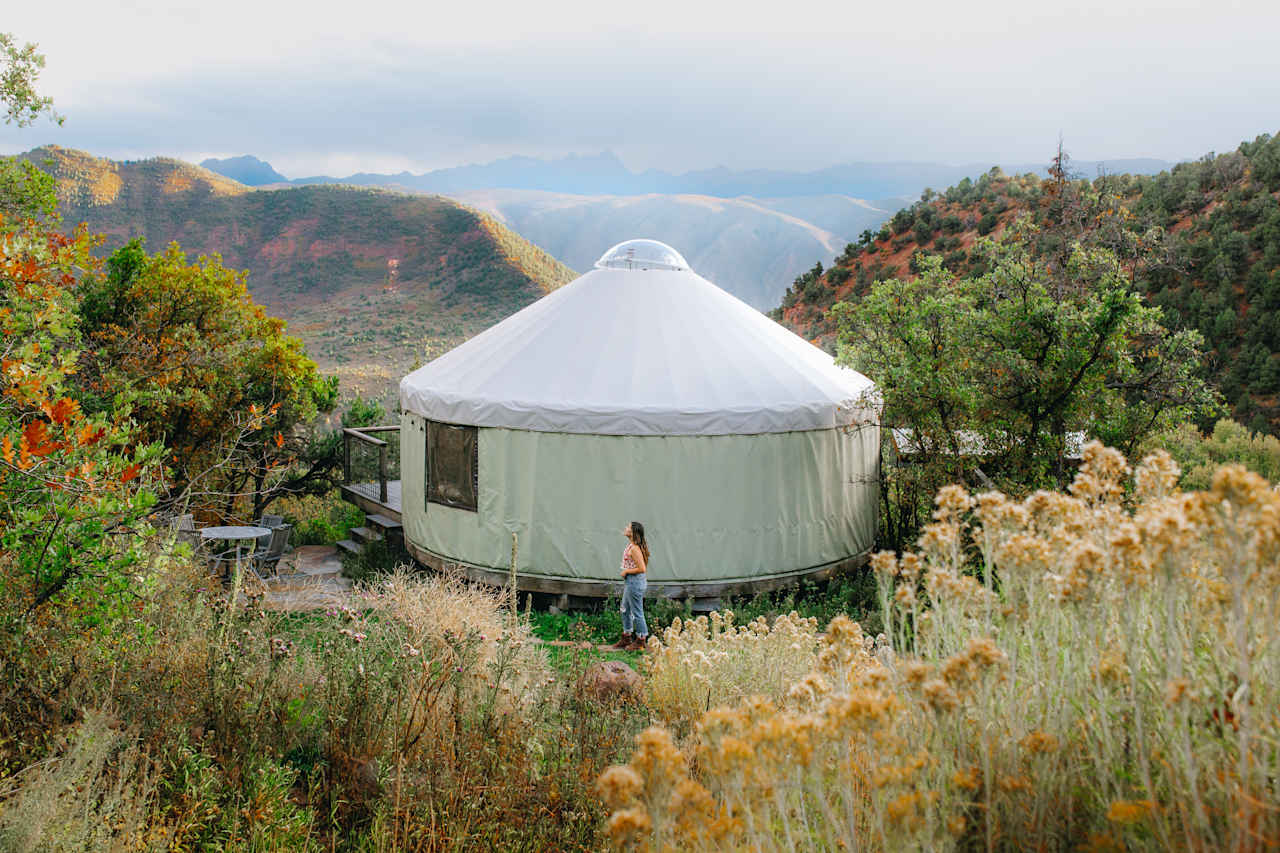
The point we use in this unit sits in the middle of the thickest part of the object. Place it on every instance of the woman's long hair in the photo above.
(637, 536)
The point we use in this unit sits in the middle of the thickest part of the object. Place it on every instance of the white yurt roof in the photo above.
(641, 345)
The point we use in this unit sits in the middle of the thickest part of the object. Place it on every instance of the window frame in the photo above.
(429, 432)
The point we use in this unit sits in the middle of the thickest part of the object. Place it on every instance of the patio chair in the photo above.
(184, 529)
(271, 554)
(271, 522)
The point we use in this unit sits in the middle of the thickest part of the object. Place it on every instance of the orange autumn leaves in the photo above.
(38, 270)
(72, 476)
(39, 440)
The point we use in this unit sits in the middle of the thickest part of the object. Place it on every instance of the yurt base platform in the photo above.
(705, 595)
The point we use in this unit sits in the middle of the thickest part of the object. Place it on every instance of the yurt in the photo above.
(639, 391)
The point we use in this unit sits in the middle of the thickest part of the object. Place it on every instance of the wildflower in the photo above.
(1009, 784)
(280, 648)
(1101, 474)
(629, 822)
(885, 565)
(903, 809)
(691, 803)
(939, 540)
(843, 630)
(916, 672)
(1039, 742)
(810, 688)
(1130, 811)
(952, 502)
(1240, 487)
(909, 567)
(992, 509)
(968, 779)
(619, 785)
(1156, 476)
(1176, 690)
(940, 695)
(1111, 667)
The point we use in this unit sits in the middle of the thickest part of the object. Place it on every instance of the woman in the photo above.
(635, 562)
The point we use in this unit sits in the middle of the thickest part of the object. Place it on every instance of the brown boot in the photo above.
(627, 638)
(637, 644)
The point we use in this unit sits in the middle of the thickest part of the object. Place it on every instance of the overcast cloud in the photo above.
(335, 88)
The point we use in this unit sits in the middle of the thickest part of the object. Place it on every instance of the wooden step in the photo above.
(365, 535)
(383, 522)
(354, 548)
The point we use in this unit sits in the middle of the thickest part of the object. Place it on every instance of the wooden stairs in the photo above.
(377, 528)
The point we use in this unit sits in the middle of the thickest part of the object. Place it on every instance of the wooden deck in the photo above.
(368, 496)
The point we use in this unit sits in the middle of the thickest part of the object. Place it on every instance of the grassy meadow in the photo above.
(1096, 668)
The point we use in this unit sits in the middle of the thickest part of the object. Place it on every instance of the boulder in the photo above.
(610, 681)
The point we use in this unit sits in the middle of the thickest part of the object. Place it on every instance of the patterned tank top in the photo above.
(628, 564)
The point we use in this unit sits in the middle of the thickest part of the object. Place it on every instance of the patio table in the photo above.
(234, 533)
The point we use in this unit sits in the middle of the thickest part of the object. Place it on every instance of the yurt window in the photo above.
(452, 465)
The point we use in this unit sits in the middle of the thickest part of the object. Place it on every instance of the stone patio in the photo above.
(310, 579)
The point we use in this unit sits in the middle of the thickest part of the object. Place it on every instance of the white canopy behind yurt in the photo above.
(639, 391)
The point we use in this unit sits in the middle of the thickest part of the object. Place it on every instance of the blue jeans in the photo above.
(633, 605)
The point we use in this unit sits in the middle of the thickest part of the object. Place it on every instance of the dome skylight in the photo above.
(642, 255)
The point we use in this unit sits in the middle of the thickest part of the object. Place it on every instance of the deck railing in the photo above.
(369, 462)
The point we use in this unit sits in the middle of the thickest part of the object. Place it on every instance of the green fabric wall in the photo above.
(715, 507)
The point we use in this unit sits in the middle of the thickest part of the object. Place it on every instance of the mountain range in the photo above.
(606, 174)
(749, 231)
(246, 169)
(750, 247)
(373, 281)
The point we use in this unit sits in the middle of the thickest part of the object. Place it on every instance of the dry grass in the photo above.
(1098, 669)
(423, 717)
(710, 661)
(99, 794)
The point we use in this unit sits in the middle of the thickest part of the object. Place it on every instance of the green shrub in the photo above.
(1230, 442)
(320, 521)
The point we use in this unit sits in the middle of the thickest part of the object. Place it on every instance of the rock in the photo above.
(610, 680)
(553, 610)
(366, 773)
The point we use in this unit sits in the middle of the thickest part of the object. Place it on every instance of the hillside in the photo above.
(746, 246)
(750, 231)
(373, 281)
(1220, 220)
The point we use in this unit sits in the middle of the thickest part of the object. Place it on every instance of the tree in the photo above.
(993, 373)
(207, 372)
(26, 192)
(72, 482)
(19, 69)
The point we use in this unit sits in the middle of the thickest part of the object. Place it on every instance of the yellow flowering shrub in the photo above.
(1099, 668)
(710, 661)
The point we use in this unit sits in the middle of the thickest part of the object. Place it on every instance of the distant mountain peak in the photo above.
(246, 169)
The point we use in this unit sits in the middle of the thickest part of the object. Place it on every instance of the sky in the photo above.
(332, 88)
